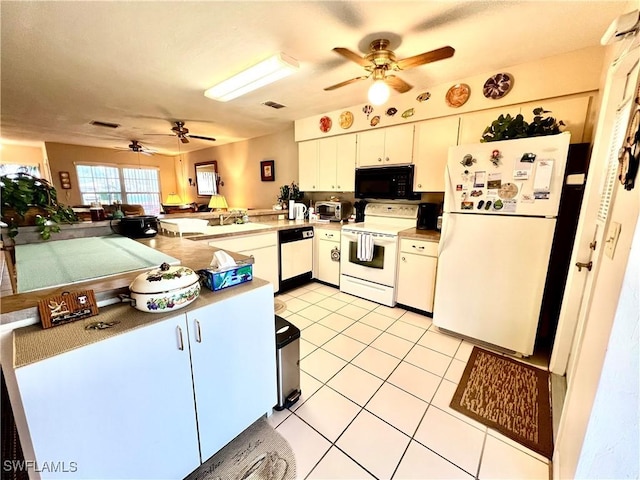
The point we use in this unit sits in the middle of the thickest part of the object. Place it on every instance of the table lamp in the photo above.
(218, 202)
(173, 199)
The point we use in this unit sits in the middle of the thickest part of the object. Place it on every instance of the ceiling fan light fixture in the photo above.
(268, 71)
(378, 92)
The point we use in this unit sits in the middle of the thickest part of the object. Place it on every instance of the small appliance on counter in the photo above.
(428, 216)
(333, 210)
(139, 226)
(359, 207)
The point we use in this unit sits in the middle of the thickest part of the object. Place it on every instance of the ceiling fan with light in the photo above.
(380, 61)
(183, 134)
(137, 147)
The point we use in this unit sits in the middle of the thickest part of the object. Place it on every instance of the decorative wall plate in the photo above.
(391, 111)
(457, 95)
(346, 119)
(408, 113)
(325, 124)
(423, 97)
(367, 109)
(497, 86)
(375, 121)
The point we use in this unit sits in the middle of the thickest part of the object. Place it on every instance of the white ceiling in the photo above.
(144, 65)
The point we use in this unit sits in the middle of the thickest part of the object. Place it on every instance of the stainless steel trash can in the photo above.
(287, 363)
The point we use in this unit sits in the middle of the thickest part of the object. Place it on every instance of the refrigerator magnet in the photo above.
(495, 158)
(522, 170)
(494, 180)
(467, 160)
(480, 179)
(542, 177)
(527, 198)
(528, 157)
(509, 206)
(466, 205)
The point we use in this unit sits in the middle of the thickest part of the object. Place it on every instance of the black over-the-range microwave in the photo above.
(392, 182)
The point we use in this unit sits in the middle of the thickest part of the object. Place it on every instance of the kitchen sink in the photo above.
(234, 228)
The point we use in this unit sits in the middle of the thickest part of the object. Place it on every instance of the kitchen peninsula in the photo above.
(153, 395)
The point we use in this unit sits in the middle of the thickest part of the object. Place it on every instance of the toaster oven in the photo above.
(336, 211)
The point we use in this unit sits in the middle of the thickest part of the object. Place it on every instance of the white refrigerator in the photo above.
(500, 207)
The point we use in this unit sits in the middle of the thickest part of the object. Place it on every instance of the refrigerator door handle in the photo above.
(443, 233)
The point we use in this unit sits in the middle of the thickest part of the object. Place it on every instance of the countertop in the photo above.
(33, 343)
(193, 251)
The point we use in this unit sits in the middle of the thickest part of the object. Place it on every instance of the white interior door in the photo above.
(591, 296)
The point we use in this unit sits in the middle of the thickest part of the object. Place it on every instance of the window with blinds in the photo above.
(107, 184)
(617, 139)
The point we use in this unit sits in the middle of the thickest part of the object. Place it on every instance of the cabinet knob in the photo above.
(419, 248)
(386, 159)
(379, 159)
(338, 186)
(419, 185)
(332, 186)
(404, 259)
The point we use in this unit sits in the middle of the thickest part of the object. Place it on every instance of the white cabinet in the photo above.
(385, 146)
(119, 408)
(308, 166)
(432, 141)
(262, 247)
(327, 164)
(337, 163)
(327, 256)
(234, 371)
(155, 400)
(417, 265)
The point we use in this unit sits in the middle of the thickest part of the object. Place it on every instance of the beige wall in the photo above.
(25, 155)
(62, 158)
(239, 168)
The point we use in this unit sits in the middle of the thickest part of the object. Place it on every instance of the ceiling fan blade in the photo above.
(354, 57)
(211, 139)
(347, 82)
(427, 57)
(397, 83)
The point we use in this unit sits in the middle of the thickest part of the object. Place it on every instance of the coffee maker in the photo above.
(428, 216)
(359, 208)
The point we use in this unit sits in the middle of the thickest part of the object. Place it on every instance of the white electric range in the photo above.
(369, 251)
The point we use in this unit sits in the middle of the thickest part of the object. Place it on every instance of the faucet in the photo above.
(223, 219)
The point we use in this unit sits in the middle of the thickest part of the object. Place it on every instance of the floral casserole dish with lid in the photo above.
(164, 289)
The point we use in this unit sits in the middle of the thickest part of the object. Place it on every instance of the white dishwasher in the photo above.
(296, 257)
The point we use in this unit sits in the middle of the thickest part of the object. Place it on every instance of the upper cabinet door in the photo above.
(346, 163)
(371, 147)
(432, 141)
(327, 155)
(386, 146)
(308, 165)
(398, 144)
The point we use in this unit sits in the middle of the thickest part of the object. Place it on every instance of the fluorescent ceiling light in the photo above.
(273, 68)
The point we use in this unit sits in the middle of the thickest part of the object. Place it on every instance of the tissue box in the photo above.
(218, 279)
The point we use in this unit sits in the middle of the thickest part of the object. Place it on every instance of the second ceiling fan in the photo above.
(381, 60)
(183, 134)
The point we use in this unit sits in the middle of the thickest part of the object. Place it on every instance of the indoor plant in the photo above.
(506, 127)
(289, 192)
(27, 200)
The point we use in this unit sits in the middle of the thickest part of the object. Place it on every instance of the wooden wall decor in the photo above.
(68, 307)
(65, 180)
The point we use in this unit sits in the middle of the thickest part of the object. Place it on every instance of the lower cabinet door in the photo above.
(328, 269)
(119, 408)
(416, 281)
(237, 335)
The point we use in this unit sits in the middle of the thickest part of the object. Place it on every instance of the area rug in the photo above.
(279, 306)
(258, 453)
(508, 396)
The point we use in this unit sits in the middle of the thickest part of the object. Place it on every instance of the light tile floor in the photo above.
(376, 385)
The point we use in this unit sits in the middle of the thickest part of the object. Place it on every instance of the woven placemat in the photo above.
(508, 396)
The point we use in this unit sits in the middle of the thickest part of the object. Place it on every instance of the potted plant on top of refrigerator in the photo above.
(506, 127)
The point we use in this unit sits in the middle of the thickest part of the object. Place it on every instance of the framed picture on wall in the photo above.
(267, 170)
